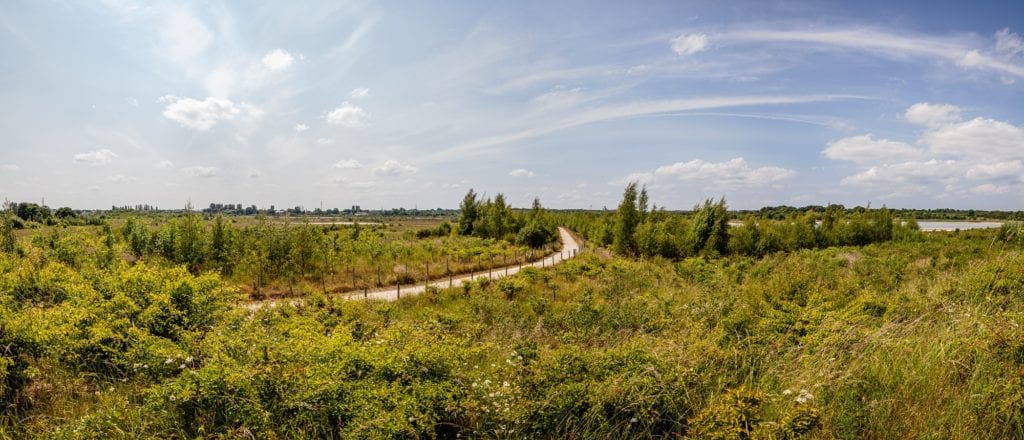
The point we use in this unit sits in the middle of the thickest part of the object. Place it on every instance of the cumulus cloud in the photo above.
(521, 172)
(199, 115)
(349, 115)
(865, 148)
(980, 137)
(347, 164)
(201, 171)
(931, 171)
(978, 156)
(932, 114)
(735, 173)
(164, 164)
(732, 173)
(688, 44)
(394, 168)
(277, 60)
(360, 92)
(9, 167)
(95, 157)
(990, 189)
(300, 128)
(994, 171)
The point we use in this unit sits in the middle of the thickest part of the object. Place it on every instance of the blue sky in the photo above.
(908, 104)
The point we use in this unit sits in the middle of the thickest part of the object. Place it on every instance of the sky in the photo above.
(411, 104)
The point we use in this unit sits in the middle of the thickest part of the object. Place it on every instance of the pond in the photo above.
(938, 225)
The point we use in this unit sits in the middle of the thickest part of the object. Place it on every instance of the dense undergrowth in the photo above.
(914, 339)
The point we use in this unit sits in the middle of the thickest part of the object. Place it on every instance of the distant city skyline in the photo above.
(403, 104)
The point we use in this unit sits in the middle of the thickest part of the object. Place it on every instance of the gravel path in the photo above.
(570, 248)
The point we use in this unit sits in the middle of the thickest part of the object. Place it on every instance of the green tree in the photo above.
(710, 228)
(642, 204)
(8, 241)
(626, 219)
(469, 209)
(222, 234)
(189, 241)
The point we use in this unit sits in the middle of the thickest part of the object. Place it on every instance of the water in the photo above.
(932, 225)
(936, 225)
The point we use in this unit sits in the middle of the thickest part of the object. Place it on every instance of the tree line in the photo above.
(494, 218)
(636, 228)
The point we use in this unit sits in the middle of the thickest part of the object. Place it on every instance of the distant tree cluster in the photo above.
(494, 218)
(636, 230)
(27, 214)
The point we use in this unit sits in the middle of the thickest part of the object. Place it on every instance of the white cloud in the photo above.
(201, 171)
(96, 157)
(990, 189)
(995, 171)
(980, 156)
(277, 60)
(932, 115)
(121, 178)
(732, 173)
(895, 45)
(863, 149)
(688, 44)
(394, 168)
(9, 167)
(1009, 43)
(324, 141)
(931, 171)
(184, 36)
(971, 58)
(360, 92)
(164, 164)
(349, 115)
(981, 138)
(347, 164)
(560, 97)
(255, 174)
(623, 111)
(199, 115)
(300, 128)
(641, 178)
(521, 172)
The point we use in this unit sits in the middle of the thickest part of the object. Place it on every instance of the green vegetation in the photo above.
(854, 327)
(633, 230)
(495, 219)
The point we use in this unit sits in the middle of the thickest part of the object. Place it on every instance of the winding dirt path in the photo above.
(570, 248)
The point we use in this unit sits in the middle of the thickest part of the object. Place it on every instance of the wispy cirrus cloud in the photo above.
(627, 110)
(959, 50)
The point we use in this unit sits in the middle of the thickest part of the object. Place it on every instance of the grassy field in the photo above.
(918, 339)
